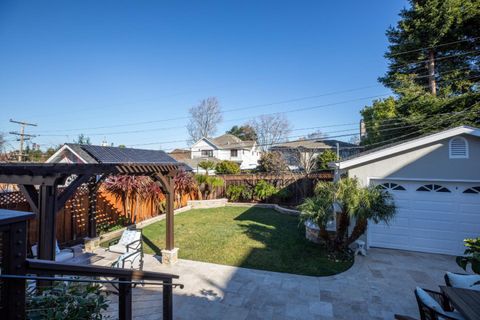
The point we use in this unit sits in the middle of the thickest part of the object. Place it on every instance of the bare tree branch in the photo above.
(204, 119)
(270, 129)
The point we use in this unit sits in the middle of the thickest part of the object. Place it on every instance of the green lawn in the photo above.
(246, 237)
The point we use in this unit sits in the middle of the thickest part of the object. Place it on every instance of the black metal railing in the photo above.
(16, 271)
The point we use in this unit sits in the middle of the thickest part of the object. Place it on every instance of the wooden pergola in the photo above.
(40, 184)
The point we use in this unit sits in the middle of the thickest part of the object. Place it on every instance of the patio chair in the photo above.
(434, 306)
(131, 240)
(129, 260)
(61, 255)
(464, 281)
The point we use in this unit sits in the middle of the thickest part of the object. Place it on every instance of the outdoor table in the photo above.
(465, 301)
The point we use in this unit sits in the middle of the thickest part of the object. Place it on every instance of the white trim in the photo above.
(59, 151)
(450, 148)
(409, 145)
(421, 179)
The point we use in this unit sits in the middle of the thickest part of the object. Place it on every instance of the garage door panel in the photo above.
(429, 221)
(470, 207)
(434, 206)
(428, 224)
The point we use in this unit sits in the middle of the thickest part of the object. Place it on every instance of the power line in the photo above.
(228, 110)
(436, 46)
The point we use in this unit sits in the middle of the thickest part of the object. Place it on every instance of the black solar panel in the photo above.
(127, 155)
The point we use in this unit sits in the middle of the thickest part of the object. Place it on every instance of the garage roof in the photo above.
(402, 146)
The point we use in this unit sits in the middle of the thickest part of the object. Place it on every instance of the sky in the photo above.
(127, 72)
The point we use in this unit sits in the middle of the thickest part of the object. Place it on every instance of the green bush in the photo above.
(240, 192)
(227, 167)
(264, 190)
(472, 255)
(76, 301)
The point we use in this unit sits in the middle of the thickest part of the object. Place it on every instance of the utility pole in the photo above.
(23, 136)
(431, 73)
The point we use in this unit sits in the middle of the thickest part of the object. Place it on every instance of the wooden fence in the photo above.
(72, 220)
(299, 186)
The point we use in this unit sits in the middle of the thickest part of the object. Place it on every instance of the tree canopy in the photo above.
(244, 132)
(434, 68)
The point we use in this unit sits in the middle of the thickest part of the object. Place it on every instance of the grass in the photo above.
(245, 237)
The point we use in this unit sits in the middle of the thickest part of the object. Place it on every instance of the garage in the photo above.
(432, 216)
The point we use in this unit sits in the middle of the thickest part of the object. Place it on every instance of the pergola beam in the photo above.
(46, 201)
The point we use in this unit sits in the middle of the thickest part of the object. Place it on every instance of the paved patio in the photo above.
(376, 287)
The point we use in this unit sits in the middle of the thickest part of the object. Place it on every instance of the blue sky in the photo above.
(134, 68)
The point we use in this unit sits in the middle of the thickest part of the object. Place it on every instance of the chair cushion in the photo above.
(118, 248)
(465, 281)
(128, 236)
(428, 301)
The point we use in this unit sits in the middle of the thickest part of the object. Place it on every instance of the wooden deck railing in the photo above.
(15, 270)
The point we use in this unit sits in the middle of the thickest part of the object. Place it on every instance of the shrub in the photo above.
(325, 158)
(240, 192)
(264, 190)
(67, 301)
(272, 162)
(227, 167)
(472, 255)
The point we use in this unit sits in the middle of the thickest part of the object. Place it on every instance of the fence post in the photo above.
(167, 300)
(125, 300)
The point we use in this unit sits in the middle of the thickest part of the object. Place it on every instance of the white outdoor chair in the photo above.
(131, 240)
(60, 255)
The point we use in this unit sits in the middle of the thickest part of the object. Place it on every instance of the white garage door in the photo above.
(431, 217)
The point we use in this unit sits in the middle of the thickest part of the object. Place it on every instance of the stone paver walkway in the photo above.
(376, 287)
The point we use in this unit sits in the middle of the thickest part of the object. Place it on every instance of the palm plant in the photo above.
(207, 165)
(353, 203)
(126, 189)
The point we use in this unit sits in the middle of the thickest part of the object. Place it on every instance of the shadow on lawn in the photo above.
(285, 247)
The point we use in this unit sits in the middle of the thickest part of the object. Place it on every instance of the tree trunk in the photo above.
(342, 228)
(431, 73)
(358, 230)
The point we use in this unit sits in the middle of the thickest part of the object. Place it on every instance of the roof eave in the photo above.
(408, 145)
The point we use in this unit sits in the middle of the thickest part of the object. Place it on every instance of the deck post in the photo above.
(125, 300)
(167, 300)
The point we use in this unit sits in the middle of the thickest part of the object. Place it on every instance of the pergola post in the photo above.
(47, 213)
(170, 253)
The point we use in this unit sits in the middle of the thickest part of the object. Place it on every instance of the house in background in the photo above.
(295, 151)
(225, 147)
(435, 183)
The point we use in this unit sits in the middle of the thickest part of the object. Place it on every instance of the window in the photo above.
(207, 153)
(392, 186)
(458, 148)
(473, 190)
(234, 153)
(433, 188)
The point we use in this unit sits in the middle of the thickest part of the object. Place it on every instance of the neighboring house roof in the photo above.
(103, 154)
(229, 141)
(318, 144)
(403, 146)
(180, 154)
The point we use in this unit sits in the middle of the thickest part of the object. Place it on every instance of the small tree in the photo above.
(227, 167)
(82, 139)
(325, 158)
(272, 162)
(207, 165)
